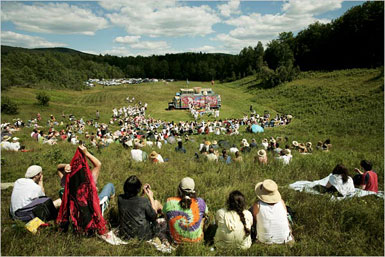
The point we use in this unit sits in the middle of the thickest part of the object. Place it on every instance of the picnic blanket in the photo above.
(307, 186)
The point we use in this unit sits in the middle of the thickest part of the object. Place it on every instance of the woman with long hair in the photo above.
(340, 181)
(234, 223)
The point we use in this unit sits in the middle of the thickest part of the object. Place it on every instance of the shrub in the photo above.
(43, 98)
(8, 106)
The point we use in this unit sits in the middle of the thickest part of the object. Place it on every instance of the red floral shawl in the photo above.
(80, 202)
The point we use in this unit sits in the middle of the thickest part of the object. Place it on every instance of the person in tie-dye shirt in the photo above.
(185, 213)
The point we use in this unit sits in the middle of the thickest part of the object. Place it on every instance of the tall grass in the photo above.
(345, 106)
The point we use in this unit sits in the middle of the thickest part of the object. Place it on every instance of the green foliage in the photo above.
(8, 106)
(42, 98)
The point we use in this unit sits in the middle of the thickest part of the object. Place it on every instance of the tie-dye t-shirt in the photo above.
(185, 224)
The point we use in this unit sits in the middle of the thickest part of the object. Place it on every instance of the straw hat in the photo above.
(264, 140)
(267, 191)
(215, 142)
(295, 143)
(153, 155)
(301, 146)
(272, 141)
(308, 144)
(6, 138)
(15, 138)
(207, 143)
(262, 153)
(287, 151)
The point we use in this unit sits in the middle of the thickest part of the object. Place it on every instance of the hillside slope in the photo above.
(345, 106)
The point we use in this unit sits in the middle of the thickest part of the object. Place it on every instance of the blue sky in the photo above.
(144, 27)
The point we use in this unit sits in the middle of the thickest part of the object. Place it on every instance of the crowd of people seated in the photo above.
(181, 218)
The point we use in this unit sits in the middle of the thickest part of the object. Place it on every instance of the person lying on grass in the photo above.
(234, 223)
(270, 215)
(186, 214)
(137, 214)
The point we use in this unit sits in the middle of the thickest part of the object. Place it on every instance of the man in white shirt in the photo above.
(137, 154)
(27, 192)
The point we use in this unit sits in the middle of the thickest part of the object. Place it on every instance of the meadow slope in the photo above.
(346, 106)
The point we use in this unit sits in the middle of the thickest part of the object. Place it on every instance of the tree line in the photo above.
(354, 40)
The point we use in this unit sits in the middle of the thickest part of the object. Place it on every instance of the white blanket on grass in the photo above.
(307, 186)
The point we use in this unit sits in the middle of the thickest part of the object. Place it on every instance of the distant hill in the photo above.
(6, 49)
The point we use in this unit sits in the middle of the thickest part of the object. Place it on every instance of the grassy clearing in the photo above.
(345, 106)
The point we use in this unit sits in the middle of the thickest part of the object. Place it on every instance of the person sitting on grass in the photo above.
(211, 156)
(368, 179)
(234, 223)
(270, 215)
(186, 213)
(339, 182)
(285, 156)
(81, 203)
(180, 147)
(156, 158)
(137, 214)
(137, 154)
(261, 158)
(28, 195)
(225, 157)
(238, 157)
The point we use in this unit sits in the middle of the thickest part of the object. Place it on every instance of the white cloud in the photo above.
(311, 7)
(58, 18)
(209, 49)
(232, 7)
(118, 51)
(150, 45)
(296, 15)
(21, 40)
(127, 39)
(162, 18)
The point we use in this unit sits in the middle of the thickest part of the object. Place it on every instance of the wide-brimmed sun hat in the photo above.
(287, 151)
(267, 191)
(308, 144)
(215, 142)
(264, 140)
(153, 155)
(262, 153)
(301, 146)
(207, 143)
(295, 143)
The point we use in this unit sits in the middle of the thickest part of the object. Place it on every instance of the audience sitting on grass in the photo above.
(225, 157)
(367, 179)
(285, 156)
(81, 204)
(340, 181)
(28, 198)
(261, 157)
(186, 213)
(212, 156)
(108, 190)
(238, 157)
(137, 154)
(138, 214)
(180, 147)
(270, 215)
(156, 158)
(234, 223)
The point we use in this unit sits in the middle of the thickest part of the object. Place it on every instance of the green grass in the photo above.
(346, 106)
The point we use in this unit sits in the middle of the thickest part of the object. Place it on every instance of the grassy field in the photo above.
(346, 106)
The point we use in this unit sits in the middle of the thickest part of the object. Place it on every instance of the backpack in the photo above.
(42, 208)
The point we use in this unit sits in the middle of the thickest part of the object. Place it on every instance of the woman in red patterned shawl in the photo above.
(80, 202)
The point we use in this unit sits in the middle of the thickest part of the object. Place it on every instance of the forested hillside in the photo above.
(355, 40)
